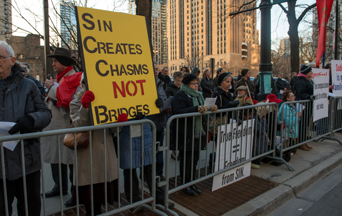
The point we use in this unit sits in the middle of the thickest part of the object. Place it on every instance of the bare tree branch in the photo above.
(305, 11)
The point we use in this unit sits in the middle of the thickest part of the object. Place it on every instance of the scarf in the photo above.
(197, 100)
(302, 75)
(61, 75)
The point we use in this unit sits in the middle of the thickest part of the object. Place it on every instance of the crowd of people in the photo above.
(65, 102)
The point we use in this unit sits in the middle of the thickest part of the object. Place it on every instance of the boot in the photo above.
(307, 146)
(303, 147)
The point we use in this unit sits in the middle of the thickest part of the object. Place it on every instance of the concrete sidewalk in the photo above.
(309, 168)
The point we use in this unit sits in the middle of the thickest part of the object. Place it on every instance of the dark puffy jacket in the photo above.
(171, 90)
(166, 80)
(280, 85)
(207, 87)
(38, 84)
(303, 88)
(223, 101)
(21, 98)
(181, 104)
(243, 82)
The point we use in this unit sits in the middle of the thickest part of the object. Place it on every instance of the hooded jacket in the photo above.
(21, 97)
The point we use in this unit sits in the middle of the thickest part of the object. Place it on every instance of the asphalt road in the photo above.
(330, 204)
(324, 198)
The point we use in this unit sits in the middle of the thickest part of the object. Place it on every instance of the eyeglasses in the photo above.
(3, 57)
(194, 83)
(291, 96)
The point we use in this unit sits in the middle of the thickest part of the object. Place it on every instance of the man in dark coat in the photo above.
(175, 86)
(244, 81)
(163, 76)
(218, 72)
(293, 80)
(22, 103)
(280, 86)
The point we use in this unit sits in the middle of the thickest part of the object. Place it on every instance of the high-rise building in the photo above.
(202, 29)
(6, 20)
(68, 24)
(159, 29)
(285, 46)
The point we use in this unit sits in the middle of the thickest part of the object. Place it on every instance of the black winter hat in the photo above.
(221, 78)
(244, 72)
(188, 78)
(195, 70)
(305, 69)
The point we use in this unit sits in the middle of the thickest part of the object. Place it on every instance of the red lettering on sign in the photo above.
(122, 90)
(125, 88)
(338, 67)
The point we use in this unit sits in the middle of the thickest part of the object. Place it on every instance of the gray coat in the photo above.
(60, 120)
(159, 119)
(21, 98)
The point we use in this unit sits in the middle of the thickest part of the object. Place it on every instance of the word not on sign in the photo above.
(117, 63)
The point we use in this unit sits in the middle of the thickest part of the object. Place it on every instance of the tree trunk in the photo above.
(293, 33)
(144, 8)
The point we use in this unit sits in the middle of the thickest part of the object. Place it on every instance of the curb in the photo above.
(267, 202)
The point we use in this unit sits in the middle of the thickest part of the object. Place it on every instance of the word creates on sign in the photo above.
(117, 62)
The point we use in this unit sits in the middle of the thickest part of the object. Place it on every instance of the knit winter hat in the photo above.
(221, 78)
(244, 72)
(195, 70)
(188, 78)
(305, 69)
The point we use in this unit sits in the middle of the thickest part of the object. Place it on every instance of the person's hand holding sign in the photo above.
(87, 97)
(49, 82)
(159, 102)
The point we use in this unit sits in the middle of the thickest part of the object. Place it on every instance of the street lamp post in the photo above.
(265, 66)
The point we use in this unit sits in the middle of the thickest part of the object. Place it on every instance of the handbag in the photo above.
(82, 140)
(216, 121)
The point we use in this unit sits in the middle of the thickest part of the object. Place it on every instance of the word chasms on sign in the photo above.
(129, 82)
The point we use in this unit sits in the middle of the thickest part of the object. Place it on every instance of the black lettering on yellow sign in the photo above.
(103, 69)
(104, 115)
(93, 46)
(107, 25)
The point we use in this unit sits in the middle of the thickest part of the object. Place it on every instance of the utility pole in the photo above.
(46, 39)
(337, 30)
(265, 66)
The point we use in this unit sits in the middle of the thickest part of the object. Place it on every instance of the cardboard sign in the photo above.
(234, 144)
(231, 176)
(336, 75)
(321, 91)
(117, 62)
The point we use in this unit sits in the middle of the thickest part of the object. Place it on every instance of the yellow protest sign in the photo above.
(117, 63)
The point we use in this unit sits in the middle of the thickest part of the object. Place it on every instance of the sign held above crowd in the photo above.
(117, 62)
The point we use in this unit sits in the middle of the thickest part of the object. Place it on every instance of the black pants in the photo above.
(190, 165)
(64, 171)
(15, 188)
(135, 185)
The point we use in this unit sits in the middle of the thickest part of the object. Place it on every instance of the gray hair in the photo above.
(8, 48)
(177, 75)
(165, 67)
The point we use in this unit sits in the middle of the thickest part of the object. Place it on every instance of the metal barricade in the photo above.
(134, 133)
(236, 124)
(299, 127)
(337, 112)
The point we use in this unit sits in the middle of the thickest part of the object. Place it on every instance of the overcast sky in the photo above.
(33, 12)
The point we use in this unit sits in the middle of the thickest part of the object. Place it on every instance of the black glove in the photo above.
(24, 125)
(235, 103)
(312, 97)
(139, 116)
(159, 102)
